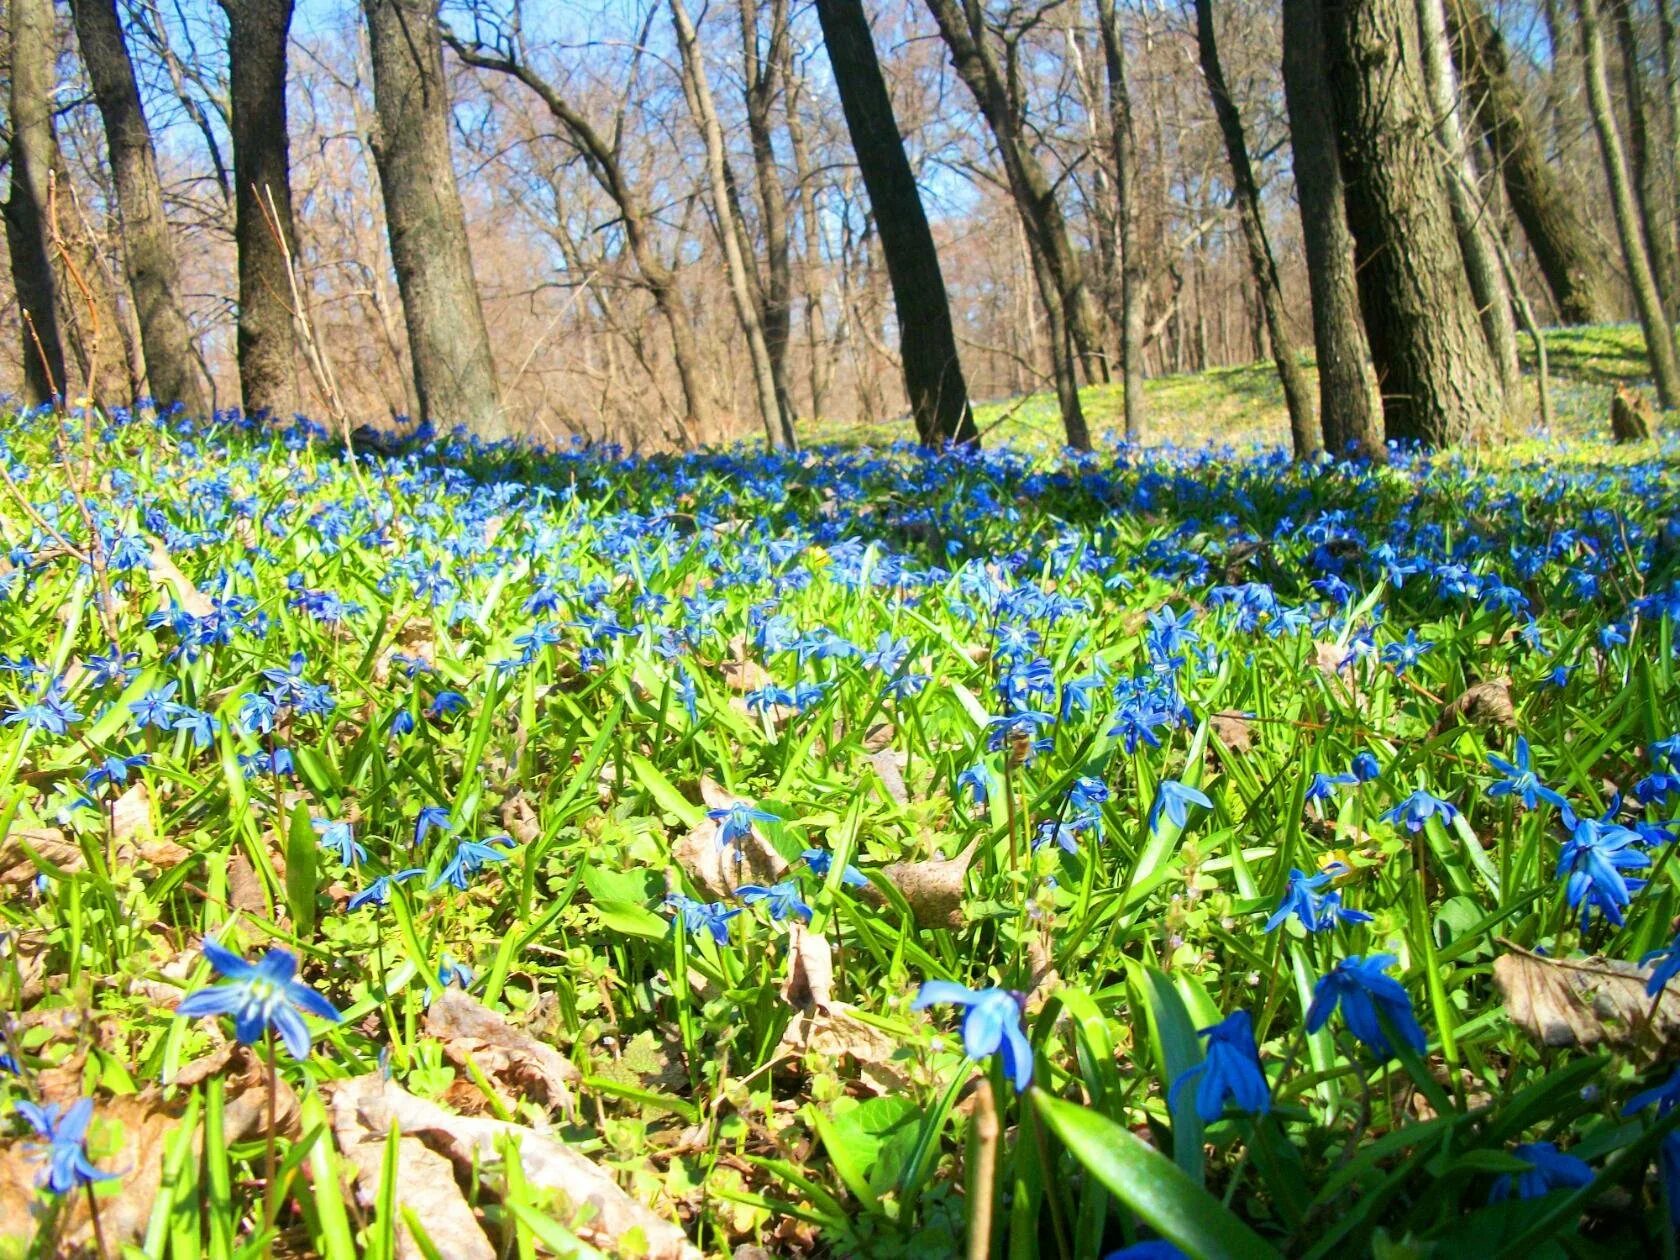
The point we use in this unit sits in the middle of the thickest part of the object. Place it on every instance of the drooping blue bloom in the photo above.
(65, 1152)
(1418, 808)
(783, 900)
(977, 781)
(1591, 864)
(1407, 652)
(1666, 1096)
(430, 816)
(702, 916)
(735, 823)
(1367, 997)
(821, 861)
(450, 972)
(1299, 899)
(113, 770)
(1365, 766)
(259, 996)
(1549, 1169)
(471, 856)
(1173, 800)
(337, 839)
(1231, 1071)
(1520, 780)
(1331, 912)
(51, 713)
(991, 1025)
(378, 893)
(1150, 1249)
(1666, 969)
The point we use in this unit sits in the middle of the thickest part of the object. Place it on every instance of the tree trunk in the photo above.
(1133, 280)
(264, 232)
(1346, 390)
(778, 430)
(172, 365)
(1655, 202)
(1659, 338)
(454, 374)
(1060, 276)
(28, 233)
(762, 77)
(1481, 264)
(1438, 380)
(89, 316)
(1303, 424)
(933, 376)
(816, 322)
(1543, 204)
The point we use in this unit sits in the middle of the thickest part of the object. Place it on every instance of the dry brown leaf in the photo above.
(834, 1033)
(879, 736)
(1585, 1001)
(425, 1185)
(245, 888)
(1231, 728)
(509, 1056)
(604, 1215)
(934, 888)
(717, 869)
(741, 673)
(17, 871)
(520, 819)
(1485, 704)
(1327, 658)
(186, 594)
(810, 978)
(886, 765)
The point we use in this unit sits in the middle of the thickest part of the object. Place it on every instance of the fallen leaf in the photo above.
(186, 594)
(520, 819)
(718, 869)
(810, 978)
(509, 1056)
(886, 765)
(1485, 704)
(934, 888)
(835, 1033)
(1585, 1001)
(1231, 728)
(596, 1208)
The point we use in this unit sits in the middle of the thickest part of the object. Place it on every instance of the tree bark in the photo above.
(1346, 390)
(816, 321)
(1133, 279)
(933, 376)
(778, 430)
(1543, 204)
(1060, 277)
(1481, 264)
(89, 318)
(1303, 423)
(1438, 380)
(172, 366)
(762, 77)
(1654, 201)
(1659, 338)
(28, 233)
(264, 231)
(454, 374)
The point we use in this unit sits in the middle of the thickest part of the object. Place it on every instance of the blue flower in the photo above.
(1666, 970)
(378, 893)
(470, 857)
(1173, 799)
(1520, 780)
(259, 996)
(66, 1143)
(1299, 899)
(702, 916)
(991, 1025)
(1150, 1249)
(113, 770)
(1666, 1096)
(1419, 808)
(430, 816)
(337, 839)
(1367, 997)
(1406, 653)
(821, 861)
(1365, 766)
(1549, 1169)
(1591, 864)
(977, 781)
(51, 713)
(783, 900)
(1231, 1071)
(736, 822)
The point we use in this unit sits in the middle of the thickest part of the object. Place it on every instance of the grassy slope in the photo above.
(1244, 405)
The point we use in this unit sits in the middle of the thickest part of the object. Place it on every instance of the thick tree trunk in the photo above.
(454, 374)
(1346, 390)
(1470, 221)
(89, 317)
(153, 276)
(1655, 201)
(762, 77)
(1438, 380)
(778, 430)
(1540, 199)
(1659, 338)
(1303, 423)
(1133, 279)
(816, 321)
(1060, 276)
(264, 232)
(172, 366)
(933, 376)
(28, 232)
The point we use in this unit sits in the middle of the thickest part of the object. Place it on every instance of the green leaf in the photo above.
(301, 853)
(1150, 1184)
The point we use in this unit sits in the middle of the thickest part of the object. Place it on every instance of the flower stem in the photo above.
(93, 1215)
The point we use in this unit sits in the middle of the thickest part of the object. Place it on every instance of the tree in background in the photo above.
(454, 375)
(933, 376)
(27, 230)
(1133, 274)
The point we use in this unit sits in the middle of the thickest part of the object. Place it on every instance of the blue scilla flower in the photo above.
(1549, 1169)
(702, 916)
(1367, 999)
(735, 823)
(821, 861)
(1173, 800)
(1150, 1249)
(1064, 833)
(471, 856)
(1592, 863)
(1019, 733)
(1365, 766)
(783, 900)
(260, 996)
(336, 838)
(51, 713)
(1668, 966)
(978, 781)
(1299, 900)
(378, 893)
(991, 1025)
(430, 817)
(1231, 1071)
(1520, 780)
(1332, 913)
(113, 770)
(1418, 808)
(65, 1136)
(1406, 653)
